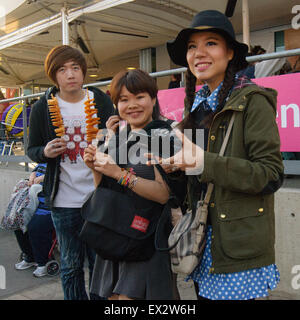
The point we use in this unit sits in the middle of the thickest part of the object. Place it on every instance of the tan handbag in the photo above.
(187, 239)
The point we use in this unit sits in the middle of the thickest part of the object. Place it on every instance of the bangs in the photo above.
(58, 56)
(135, 81)
(138, 82)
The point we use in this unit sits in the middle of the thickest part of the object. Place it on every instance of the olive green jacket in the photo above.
(241, 209)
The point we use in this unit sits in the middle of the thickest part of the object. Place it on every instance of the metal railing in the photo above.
(290, 166)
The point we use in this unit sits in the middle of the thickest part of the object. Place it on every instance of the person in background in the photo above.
(263, 68)
(36, 243)
(175, 81)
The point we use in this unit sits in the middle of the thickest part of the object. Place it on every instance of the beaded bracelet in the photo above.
(125, 179)
(122, 180)
(133, 183)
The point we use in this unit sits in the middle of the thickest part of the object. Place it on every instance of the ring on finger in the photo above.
(174, 169)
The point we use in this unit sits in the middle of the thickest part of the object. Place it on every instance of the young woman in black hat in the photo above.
(239, 257)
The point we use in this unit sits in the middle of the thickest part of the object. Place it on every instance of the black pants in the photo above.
(37, 241)
(25, 245)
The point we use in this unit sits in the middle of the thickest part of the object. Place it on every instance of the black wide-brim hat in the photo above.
(208, 20)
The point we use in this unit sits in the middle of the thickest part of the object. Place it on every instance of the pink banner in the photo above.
(288, 107)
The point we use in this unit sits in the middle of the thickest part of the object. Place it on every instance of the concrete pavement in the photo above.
(22, 285)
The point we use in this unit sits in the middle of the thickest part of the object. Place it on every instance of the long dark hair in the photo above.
(237, 63)
(135, 81)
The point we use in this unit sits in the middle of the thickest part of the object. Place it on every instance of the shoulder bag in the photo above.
(116, 229)
(187, 239)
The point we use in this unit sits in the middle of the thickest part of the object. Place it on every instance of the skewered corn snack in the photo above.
(56, 117)
(91, 130)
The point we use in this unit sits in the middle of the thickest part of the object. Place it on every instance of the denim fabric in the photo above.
(68, 223)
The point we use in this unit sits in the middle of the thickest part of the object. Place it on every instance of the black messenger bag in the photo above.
(116, 229)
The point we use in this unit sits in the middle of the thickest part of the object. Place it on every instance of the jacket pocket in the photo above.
(244, 227)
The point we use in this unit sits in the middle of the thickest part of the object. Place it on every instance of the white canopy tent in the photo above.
(125, 28)
(63, 17)
(113, 32)
(9, 6)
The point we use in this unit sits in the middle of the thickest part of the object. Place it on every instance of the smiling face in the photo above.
(136, 109)
(69, 77)
(208, 56)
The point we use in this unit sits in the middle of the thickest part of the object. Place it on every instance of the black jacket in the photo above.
(41, 131)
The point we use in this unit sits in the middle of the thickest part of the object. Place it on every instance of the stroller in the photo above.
(22, 208)
(52, 265)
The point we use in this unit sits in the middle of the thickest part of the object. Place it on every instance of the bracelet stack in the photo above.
(126, 180)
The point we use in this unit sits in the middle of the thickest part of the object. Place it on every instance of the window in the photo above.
(279, 41)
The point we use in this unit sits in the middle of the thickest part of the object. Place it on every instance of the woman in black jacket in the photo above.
(135, 95)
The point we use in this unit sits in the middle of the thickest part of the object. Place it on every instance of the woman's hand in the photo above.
(168, 168)
(189, 159)
(113, 123)
(105, 164)
(89, 156)
(55, 148)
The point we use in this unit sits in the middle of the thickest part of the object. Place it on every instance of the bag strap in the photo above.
(172, 196)
(225, 141)
(210, 186)
(206, 200)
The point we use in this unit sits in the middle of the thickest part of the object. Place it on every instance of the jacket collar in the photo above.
(52, 90)
(243, 90)
(234, 101)
(210, 100)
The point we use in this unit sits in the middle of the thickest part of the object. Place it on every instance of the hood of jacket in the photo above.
(245, 87)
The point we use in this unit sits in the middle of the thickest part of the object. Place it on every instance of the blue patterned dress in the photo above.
(243, 285)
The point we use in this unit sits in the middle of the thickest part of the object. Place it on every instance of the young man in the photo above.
(68, 181)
